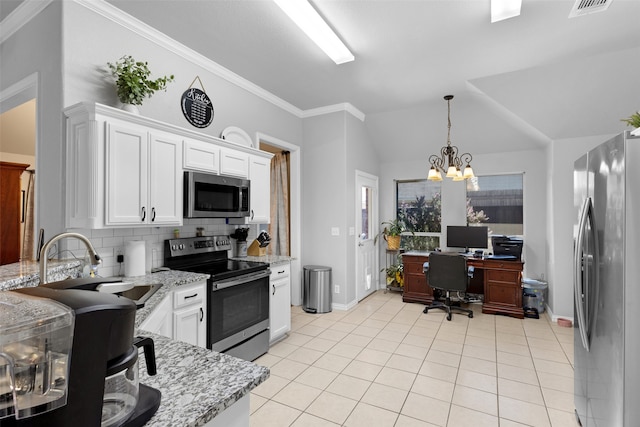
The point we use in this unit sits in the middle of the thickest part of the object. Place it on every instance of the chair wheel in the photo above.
(470, 315)
(426, 310)
(449, 316)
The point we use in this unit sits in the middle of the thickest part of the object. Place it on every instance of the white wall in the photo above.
(562, 154)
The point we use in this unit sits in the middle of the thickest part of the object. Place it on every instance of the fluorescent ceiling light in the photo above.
(504, 9)
(309, 21)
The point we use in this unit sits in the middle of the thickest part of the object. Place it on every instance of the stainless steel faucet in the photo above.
(93, 255)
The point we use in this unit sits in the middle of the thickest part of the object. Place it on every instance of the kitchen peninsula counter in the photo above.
(198, 386)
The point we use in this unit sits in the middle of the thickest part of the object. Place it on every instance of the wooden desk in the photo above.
(499, 281)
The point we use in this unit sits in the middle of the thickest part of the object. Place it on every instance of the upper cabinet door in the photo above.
(201, 156)
(165, 179)
(234, 163)
(126, 174)
(260, 177)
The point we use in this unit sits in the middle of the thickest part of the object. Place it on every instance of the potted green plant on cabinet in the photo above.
(634, 121)
(133, 83)
(391, 233)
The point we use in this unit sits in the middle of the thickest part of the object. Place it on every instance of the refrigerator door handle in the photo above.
(581, 277)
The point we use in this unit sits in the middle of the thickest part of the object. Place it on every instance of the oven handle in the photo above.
(245, 278)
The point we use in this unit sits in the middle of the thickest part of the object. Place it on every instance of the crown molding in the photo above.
(20, 16)
(345, 106)
(29, 9)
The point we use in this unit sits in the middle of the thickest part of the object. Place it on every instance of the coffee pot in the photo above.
(69, 355)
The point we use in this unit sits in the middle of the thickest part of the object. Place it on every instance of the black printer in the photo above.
(506, 247)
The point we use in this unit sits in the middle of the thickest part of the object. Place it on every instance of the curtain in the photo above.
(27, 236)
(279, 226)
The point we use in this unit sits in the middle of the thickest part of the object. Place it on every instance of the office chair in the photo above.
(447, 272)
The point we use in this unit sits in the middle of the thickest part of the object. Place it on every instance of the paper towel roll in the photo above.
(134, 258)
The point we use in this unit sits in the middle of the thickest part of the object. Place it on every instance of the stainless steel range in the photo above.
(237, 294)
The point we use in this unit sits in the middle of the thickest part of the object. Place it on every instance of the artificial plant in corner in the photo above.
(133, 82)
(633, 120)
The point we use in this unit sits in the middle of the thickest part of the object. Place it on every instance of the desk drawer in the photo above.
(413, 268)
(503, 276)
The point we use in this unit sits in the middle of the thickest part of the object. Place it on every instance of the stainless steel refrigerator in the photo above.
(607, 284)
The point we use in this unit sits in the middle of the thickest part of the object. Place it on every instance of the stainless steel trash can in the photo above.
(317, 289)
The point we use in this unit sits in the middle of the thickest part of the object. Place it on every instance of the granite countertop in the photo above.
(196, 383)
(269, 259)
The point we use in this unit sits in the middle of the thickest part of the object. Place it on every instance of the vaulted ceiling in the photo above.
(518, 83)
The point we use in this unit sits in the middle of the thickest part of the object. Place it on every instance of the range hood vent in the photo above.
(584, 7)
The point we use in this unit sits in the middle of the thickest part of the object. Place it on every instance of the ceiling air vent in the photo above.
(584, 7)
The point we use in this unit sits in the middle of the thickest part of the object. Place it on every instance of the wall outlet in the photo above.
(335, 231)
(120, 258)
(336, 289)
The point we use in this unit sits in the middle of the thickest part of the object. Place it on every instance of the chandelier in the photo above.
(449, 157)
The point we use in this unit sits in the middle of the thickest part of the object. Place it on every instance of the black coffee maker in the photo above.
(103, 388)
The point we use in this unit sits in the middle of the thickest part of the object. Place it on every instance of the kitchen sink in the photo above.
(140, 293)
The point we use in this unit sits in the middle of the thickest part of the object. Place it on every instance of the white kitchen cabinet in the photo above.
(201, 156)
(234, 163)
(160, 320)
(260, 177)
(279, 301)
(190, 314)
(143, 176)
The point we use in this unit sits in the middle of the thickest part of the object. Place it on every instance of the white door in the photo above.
(366, 229)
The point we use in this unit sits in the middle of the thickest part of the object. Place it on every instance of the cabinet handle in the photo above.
(280, 272)
(153, 214)
(144, 213)
(191, 296)
(201, 314)
(252, 214)
(274, 289)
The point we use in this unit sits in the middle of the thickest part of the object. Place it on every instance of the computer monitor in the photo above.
(460, 236)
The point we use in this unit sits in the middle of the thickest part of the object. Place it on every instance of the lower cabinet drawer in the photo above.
(502, 276)
(507, 294)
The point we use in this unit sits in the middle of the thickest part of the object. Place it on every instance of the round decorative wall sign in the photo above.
(197, 107)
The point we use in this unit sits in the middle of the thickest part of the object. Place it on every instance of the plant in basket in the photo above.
(391, 233)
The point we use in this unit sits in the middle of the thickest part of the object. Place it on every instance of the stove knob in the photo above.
(181, 246)
(174, 247)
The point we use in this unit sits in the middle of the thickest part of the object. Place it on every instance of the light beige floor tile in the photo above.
(443, 358)
(316, 377)
(523, 412)
(288, 369)
(323, 322)
(366, 331)
(320, 344)
(345, 350)
(548, 344)
(558, 400)
(384, 396)
(520, 391)
(545, 354)
(515, 360)
(453, 337)
(548, 366)
(332, 362)
(562, 419)
(378, 315)
(376, 357)
(432, 387)
(447, 346)
(418, 341)
(333, 335)
(362, 370)
(310, 330)
(364, 415)
(507, 338)
(404, 363)
(343, 327)
(308, 420)
(305, 355)
(460, 416)
(404, 421)
(556, 382)
(481, 341)
(509, 423)
(357, 340)
(486, 367)
(477, 352)
(527, 376)
(413, 351)
(273, 414)
(477, 400)
(477, 380)
(347, 386)
(423, 330)
(389, 335)
(271, 386)
(332, 407)
(267, 360)
(256, 401)
(297, 395)
(383, 345)
(426, 409)
(295, 338)
(441, 372)
(395, 378)
(373, 323)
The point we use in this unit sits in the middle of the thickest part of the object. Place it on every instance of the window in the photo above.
(497, 202)
(418, 207)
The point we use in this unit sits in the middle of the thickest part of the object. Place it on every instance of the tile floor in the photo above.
(385, 363)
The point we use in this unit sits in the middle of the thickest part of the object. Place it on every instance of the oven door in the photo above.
(238, 309)
(215, 196)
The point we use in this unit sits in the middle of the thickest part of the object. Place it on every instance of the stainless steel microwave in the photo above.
(214, 196)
